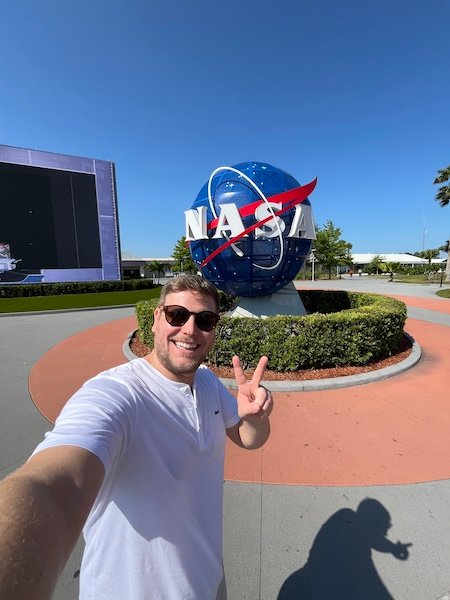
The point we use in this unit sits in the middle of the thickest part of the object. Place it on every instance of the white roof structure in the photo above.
(402, 259)
(358, 259)
(137, 259)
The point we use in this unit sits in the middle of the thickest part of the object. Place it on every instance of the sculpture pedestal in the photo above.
(284, 302)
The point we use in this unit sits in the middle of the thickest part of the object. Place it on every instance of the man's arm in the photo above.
(43, 507)
(254, 407)
(249, 434)
(399, 550)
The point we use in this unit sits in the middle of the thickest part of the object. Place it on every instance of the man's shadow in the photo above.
(340, 564)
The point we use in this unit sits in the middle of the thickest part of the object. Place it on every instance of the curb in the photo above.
(311, 385)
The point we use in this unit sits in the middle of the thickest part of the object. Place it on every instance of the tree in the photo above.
(376, 264)
(443, 193)
(182, 257)
(392, 269)
(330, 250)
(443, 197)
(428, 254)
(446, 248)
(156, 268)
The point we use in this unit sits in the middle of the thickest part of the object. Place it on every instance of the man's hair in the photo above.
(189, 283)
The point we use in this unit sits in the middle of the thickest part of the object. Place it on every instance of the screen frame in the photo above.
(106, 196)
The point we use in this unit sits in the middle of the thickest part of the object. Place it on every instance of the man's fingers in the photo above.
(257, 374)
(259, 371)
(262, 400)
(252, 391)
(238, 371)
(268, 402)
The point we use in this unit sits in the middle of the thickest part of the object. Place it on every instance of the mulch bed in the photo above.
(402, 352)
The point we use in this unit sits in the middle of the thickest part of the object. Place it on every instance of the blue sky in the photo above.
(355, 93)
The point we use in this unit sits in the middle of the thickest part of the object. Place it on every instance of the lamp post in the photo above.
(313, 260)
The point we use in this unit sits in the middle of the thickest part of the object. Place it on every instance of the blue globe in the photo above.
(265, 258)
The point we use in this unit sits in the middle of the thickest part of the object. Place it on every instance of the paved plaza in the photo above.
(386, 441)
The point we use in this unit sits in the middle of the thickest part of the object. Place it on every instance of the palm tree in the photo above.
(156, 267)
(428, 254)
(446, 248)
(443, 193)
(376, 264)
(391, 268)
(443, 197)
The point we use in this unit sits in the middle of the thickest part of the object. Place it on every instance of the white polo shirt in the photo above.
(155, 530)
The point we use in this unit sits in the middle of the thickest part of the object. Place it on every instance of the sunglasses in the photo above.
(178, 316)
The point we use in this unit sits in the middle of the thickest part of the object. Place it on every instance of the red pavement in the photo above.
(390, 432)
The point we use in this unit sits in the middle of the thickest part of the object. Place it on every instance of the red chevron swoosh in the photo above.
(290, 199)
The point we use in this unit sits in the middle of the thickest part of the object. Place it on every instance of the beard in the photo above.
(180, 367)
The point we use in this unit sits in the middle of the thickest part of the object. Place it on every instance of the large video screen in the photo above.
(49, 218)
(58, 217)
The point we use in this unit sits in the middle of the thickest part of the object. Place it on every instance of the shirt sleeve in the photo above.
(229, 406)
(98, 418)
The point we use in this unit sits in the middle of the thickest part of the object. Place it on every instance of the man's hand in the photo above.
(254, 407)
(401, 551)
(253, 399)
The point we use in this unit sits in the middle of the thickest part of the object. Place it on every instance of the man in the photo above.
(136, 458)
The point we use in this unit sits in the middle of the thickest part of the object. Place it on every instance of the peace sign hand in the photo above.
(253, 399)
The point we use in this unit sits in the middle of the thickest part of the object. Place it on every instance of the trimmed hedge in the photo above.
(144, 316)
(340, 329)
(73, 287)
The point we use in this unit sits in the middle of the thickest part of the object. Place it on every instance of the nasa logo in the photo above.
(250, 228)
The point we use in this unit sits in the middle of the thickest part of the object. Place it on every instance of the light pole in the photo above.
(313, 260)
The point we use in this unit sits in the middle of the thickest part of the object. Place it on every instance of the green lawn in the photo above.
(68, 301)
(444, 293)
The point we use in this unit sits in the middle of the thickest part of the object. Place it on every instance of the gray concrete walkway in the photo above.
(270, 530)
(377, 286)
(25, 338)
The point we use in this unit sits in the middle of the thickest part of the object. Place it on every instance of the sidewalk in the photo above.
(328, 450)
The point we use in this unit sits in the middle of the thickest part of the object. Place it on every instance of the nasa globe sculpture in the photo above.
(250, 229)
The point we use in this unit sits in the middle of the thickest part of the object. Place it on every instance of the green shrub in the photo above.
(73, 287)
(144, 316)
(341, 329)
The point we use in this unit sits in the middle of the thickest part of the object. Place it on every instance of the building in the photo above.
(407, 260)
(134, 267)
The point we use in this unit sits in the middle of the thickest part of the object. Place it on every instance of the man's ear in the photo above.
(156, 314)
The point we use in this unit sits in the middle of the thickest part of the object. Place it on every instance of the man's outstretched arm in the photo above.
(43, 507)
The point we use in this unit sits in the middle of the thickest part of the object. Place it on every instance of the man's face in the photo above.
(178, 351)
